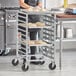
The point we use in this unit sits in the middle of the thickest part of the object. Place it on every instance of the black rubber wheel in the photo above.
(42, 62)
(15, 62)
(52, 66)
(25, 67)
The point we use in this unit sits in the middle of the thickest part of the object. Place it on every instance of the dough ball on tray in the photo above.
(31, 24)
(40, 24)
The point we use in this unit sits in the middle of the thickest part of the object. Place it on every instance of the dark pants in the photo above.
(33, 36)
(33, 32)
(33, 18)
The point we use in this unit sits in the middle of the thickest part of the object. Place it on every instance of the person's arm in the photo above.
(24, 5)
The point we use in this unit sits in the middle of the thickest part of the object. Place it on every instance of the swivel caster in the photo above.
(15, 62)
(25, 67)
(42, 62)
(52, 66)
(7, 51)
(24, 60)
(2, 52)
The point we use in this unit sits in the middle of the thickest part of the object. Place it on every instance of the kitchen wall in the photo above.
(52, 3)
(69, 1)
(56, 3)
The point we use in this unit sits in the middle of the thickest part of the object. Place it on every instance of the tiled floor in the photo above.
(68, 67)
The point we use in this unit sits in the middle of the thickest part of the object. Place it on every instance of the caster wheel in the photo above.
(52, 66)
(15, 62)
(42, 62)
(24, 60)
(2, 52)
(25, 67)
(7, 52)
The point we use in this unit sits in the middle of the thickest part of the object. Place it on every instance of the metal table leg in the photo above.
(60, 54)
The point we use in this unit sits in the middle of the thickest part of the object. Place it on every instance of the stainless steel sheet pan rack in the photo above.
(45, 43)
